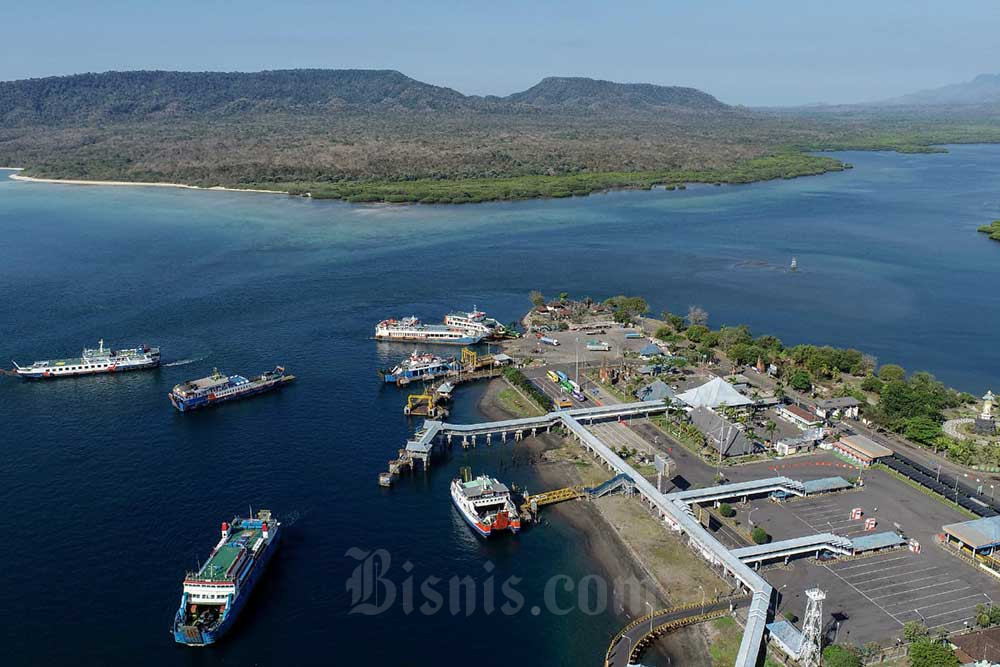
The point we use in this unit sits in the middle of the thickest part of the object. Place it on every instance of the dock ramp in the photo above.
(617, 482)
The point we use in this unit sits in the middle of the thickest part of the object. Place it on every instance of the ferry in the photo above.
(213, 596)
(218, 388)
(93, 361)
(420, 366)
(486, 505)
(412, 329)
(476, 320)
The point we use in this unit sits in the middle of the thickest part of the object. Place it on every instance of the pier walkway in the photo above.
(672, 509)
(634, 638)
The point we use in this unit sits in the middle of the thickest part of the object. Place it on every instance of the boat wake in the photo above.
(182, 362)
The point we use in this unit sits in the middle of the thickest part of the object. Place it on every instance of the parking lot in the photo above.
(873, 596)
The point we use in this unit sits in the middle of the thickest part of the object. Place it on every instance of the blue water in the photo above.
(108, 495)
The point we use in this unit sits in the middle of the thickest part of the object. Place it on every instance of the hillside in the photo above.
(983, 90)
(582, 93)
(378, 135)
(130, 96)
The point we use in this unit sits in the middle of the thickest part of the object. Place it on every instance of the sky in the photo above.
(757, 53)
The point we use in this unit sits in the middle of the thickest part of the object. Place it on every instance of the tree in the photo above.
(914, 630)
(873, 384)
(563, 296)
(800, 381)
(770, 427)
(676, 321)
(697, 315)
(627, 308)
(696, 333)
(726, 510)
(759, 536)
(922, 429)
(836, 655)
(926, 652)
(891, 372)
(537, 299)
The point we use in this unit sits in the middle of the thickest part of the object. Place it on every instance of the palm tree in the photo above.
(770, 427)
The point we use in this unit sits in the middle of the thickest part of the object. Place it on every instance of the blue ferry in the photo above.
(420, 366)
(218, 388)
(213, 596)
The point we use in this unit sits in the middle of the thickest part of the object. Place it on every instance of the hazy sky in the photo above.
(743, 52)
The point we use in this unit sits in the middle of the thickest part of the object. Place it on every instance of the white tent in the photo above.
(714, 393)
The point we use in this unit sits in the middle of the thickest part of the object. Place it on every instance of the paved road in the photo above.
(623, 643)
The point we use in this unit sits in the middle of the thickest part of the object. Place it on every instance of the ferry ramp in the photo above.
(628, 645)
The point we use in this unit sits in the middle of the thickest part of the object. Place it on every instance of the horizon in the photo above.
(849, 54)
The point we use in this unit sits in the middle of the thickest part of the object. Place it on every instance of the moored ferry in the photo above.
(213, 596)
(412, 329)
(92, 361)
(476, 320)
(486, 505)
(218, 388)
(420, 366)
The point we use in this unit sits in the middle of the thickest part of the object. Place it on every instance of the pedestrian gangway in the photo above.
(617, 482)
(785, 549)
(740, 490)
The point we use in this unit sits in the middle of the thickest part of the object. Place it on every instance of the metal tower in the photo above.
(812, 629)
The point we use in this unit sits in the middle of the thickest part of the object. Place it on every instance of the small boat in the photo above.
(218, 388)
(215, 594)
(486, 505)
(795, 264)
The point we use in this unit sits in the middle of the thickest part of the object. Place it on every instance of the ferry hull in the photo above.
(187, 405)
(191, 636)
(403, 338)
(30, 374)
(481, 528)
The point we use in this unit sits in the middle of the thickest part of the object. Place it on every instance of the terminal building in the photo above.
(861, 449)
(978, 538)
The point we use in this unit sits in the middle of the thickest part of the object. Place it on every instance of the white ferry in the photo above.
(476, 320)
(412, 329)
(92, 361)
(486, 505)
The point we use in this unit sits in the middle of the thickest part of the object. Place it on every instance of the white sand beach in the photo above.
(67, 181)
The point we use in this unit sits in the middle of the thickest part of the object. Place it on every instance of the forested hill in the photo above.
(582, 93)
(143, 95)
(126, 96)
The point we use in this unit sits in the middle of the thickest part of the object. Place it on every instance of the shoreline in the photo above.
(144, 184)
(603, 543)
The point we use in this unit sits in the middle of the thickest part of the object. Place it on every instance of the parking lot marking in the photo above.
(952, 611)
(873, 564)
(937, 604)
(926, 597)
(893, 576)
(908, 581)
(862, 593)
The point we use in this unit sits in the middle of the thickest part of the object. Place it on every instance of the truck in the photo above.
(564, 403)
(598, 346)
(549, 341)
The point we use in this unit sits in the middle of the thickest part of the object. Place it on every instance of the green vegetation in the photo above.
(836, 655)
(759, 535)
(627, 308)
(517, 378)
(992, 229)
(987, 616)
(379, 136)
(926, 652)
(726, 510)
(514, 403)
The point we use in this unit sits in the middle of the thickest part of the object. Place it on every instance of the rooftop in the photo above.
(787, 635)
(714, 393)
(977, 534)
(866, 446)
(826, 484)
(877, 541)
(801, 413)
(836, 403)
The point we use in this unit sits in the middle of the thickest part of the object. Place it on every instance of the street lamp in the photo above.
(650, 616)
(750, 514)
(702, 598)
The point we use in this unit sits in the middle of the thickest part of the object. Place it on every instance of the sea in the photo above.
(109, 495)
